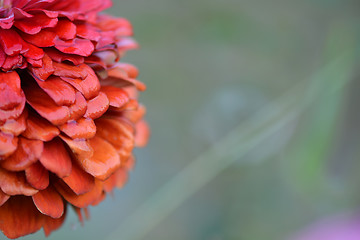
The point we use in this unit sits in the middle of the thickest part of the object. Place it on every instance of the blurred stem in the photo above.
(244, 138)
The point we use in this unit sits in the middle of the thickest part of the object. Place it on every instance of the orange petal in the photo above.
(15, 126)
(19, 217)
(37, 176)
(14, 183)
(80, 147)
(142, 133)
(51, 224)
(121, 176)
(3, 197)
(78, 109)
(117, 96)
(49, 202)
(27, 153)
(82, 128)
(119, 133)
(39, 128)
(61, 92)
(120, 78)
(104, 161)
(12, 113)
(55, 158)
(135, 115)
(89, 87)
(82, 200)
(130, 69)
(79, 181)
(45, 106)
(8, 144)
(97, 106)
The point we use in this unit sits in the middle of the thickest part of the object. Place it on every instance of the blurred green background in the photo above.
(281, 77)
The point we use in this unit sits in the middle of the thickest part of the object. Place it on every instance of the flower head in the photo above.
(69, 115)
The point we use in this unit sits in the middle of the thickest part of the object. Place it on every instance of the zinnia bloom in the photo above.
(69, 115)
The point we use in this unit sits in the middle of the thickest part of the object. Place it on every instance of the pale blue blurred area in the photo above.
(209, 66)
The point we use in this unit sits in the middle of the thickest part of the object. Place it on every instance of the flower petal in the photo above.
(70, 71)
(78, 46)
(65, 29)
(51, 224)
(45, 106)
(61, 92)
(27, 152)
(119, 133)
(142, 133)
(49, 202)
(34, 24)
(44, 38)
(14, 183)
(19, 217)
(45, 70)
(8, 145)
(55, 158)
(59, 57)
(39, 128)
(97, 106)
(79, 181)
(78, 109)
(3, 197)
(104, 161)
(82, 200)
(89, 87)
(37, 176)
(82, 128)
(10, 41)
(15, 126)
(11, 94)
(117, 96)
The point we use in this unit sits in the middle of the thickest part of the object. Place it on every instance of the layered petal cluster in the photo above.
(69, 115)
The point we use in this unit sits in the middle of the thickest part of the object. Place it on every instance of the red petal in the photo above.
(10, 41)
(45, 106)
(14, 183)
(117, 96)
(61, 92)
(3, 197)
(27, 152)
(79, 181)
(97, 106)
(104, 161)
(45, 70)
(82, 128)
(142, 133)
(7, 22)
(34, 24)
(119, 133)
(15, 126)
(55, 158)
(59, 57)
(12, 113)
(8, 144)
(89, 87)
(82, 200)
(49, 202)
(39, 128)
(11, 94)
(78, 109)
(65, 29)
(118, 179)
(70, 71)
(34, 52)
(19, 217)
(37, 176)
(88, 31)
(82, 47)
(13, 62)
(44, 38)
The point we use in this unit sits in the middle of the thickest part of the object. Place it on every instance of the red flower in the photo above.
(69, 116)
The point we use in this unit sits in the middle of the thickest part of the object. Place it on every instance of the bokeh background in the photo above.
(282, 78)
